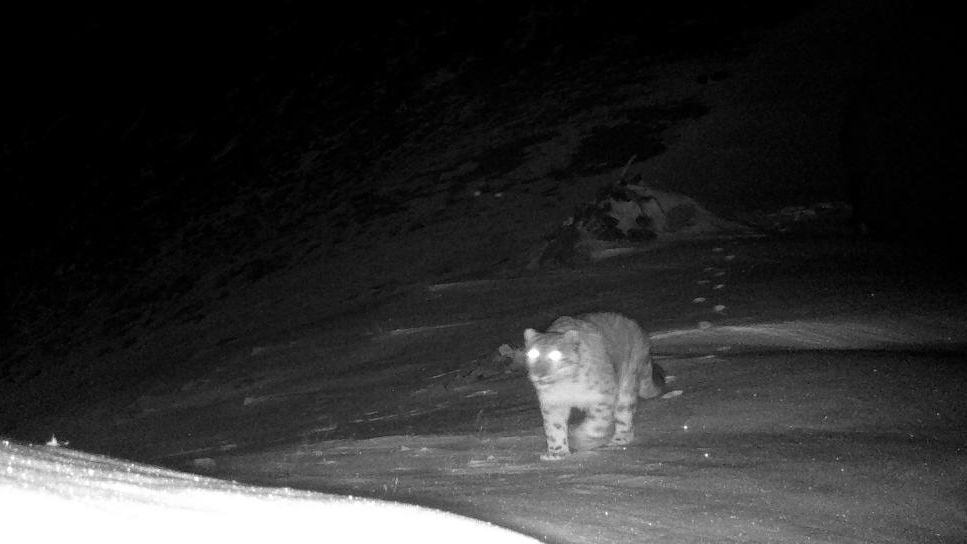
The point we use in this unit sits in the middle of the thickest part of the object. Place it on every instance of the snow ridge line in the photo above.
(811, 335)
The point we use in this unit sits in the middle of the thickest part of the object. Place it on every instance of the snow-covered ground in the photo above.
(99, 499)
(821, 372)
(824, 405)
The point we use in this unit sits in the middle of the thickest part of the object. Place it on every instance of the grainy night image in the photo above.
(570, 271)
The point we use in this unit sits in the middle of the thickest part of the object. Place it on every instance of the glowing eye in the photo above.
(533, 354)
(554, 356)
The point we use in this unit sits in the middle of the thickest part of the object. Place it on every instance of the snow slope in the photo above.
(822, 372)
(99, 499)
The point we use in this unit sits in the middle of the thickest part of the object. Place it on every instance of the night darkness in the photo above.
(125, 126)
(185, 184)
(131, 134)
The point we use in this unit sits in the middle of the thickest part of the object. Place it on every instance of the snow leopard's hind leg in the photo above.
(629, 387)
(624, 413)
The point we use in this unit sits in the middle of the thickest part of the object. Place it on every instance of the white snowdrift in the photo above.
(64, 495)
(832, 334)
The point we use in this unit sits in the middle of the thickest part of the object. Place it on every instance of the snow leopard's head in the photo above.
(551, 356)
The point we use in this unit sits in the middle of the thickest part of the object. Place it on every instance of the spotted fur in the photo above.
(598, 363)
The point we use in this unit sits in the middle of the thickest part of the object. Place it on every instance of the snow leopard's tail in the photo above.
(653, 385)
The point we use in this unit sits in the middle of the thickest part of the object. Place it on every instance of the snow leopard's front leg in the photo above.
(596, 428)
(555, 429)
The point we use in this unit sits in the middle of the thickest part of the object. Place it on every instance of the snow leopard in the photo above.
(597, 363)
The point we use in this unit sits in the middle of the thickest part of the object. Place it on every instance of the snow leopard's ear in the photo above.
(529, 335)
